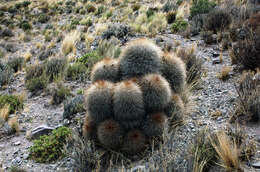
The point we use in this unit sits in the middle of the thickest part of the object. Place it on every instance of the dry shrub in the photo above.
(248, 103)
(254, 22)
(247, 52)
(193, 64)
(217, 20)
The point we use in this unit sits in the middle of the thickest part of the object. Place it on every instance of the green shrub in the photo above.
(179, 2)
(91, 8)
(171, 16)
(50, 148)
(136, 6)
(14, 102)
(201, 7)
(43, 18)
(33, 71)
(100, 10)
(149, 12)
(179, 25)
(15, 63)
(55, 68)
(90, 59)
(77, 71)
(5, 74)
(59, 94)
(35, 84)
(25, 25)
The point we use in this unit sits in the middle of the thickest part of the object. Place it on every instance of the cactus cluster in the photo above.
(132, 97)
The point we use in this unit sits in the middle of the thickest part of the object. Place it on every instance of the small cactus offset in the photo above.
(156, 92)
(154, 126)
(131, 98)
(107, 69)
(173, 69)
(99, 100)
(110, 133)
(128, 104)
(135, 142)
(139, 57)
(89, 127)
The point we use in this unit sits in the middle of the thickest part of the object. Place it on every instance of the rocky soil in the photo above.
(213, 95)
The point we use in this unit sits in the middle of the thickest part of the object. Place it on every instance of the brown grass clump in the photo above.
(227, 151)
(4, 112)
(69, 42)
(224, 74)
(14, 124)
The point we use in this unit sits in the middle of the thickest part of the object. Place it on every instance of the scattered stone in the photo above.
(215, 54)
(17, 143)
(256, 165)
(39, 131)
(17, 161)
(216, 61)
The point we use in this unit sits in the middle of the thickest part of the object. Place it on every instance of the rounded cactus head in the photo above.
(176, 105)
(154, 126)
(175, 110)
(110, 134)
(156, 92)
(106, 69)
(135, 142)
(174, 70)
(99, 100)
(89, 128)
(138, 58)
(128, 103)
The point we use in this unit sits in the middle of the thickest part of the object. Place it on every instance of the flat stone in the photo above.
(217, 61)
(256, 165)
(41, 130)
(17, 143)
(215, 54)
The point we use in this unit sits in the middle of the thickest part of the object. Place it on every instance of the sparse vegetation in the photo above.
(179, 25)
(49, 148)
(135, 82)
(201, 7)
(15, 103)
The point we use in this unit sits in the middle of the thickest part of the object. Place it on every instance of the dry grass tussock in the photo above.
(4, 112)
(69, 42)
(227, 150)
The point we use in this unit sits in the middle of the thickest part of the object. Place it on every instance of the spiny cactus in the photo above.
(135, 142)
(89, 128)
(156, 92)
(110, 134)
(154, 125)
(107, 69)
(175, 106)
(173, 69)
(99, 100)
(128, 103)
(138, 58)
